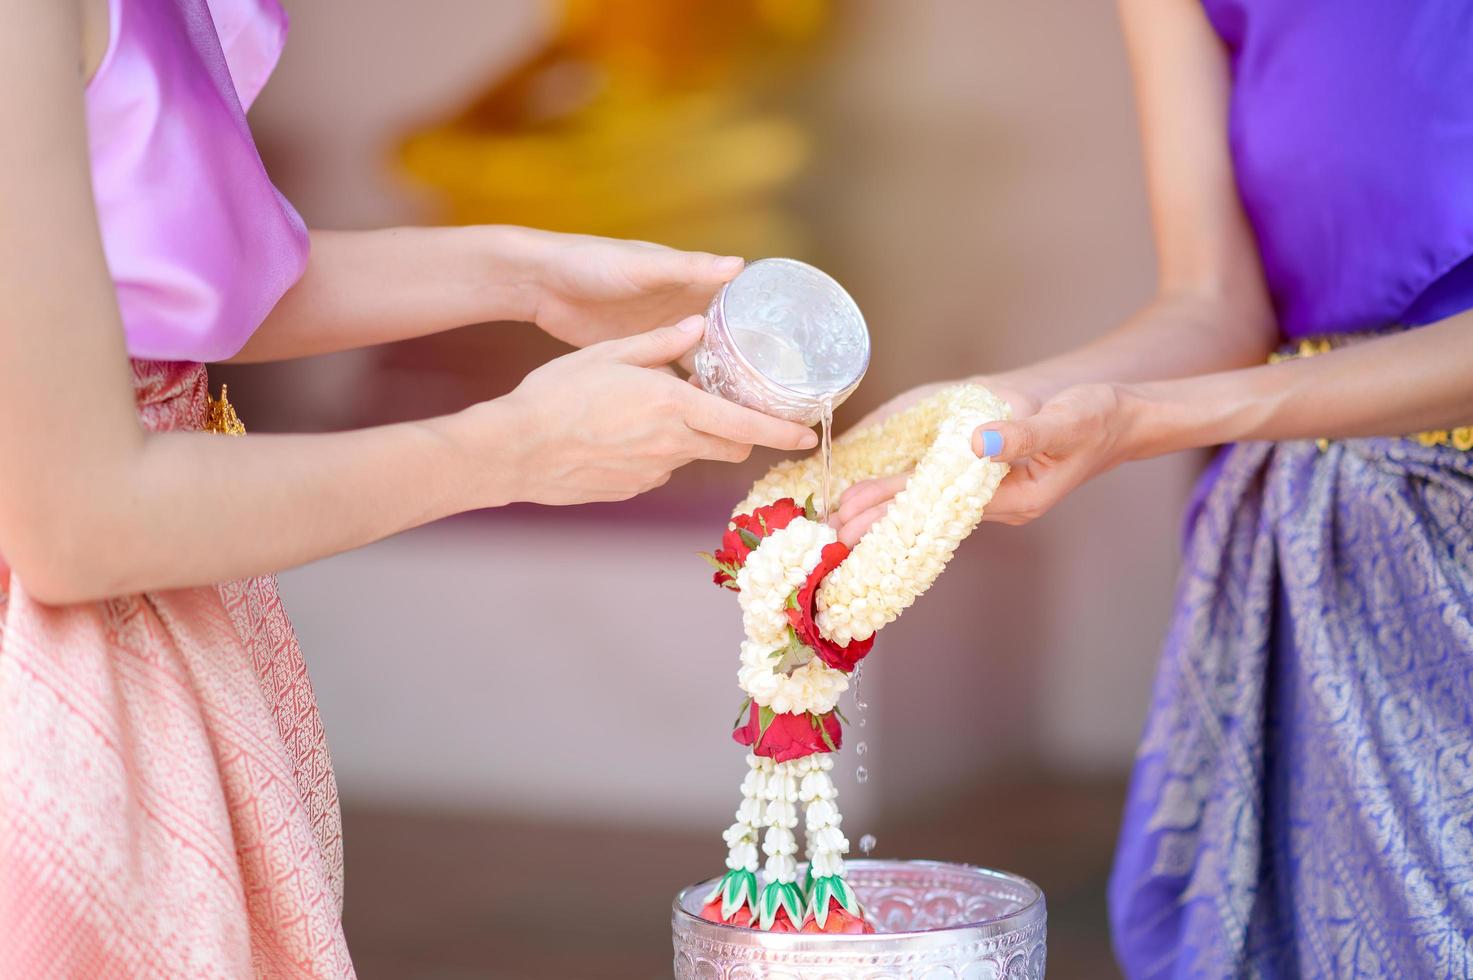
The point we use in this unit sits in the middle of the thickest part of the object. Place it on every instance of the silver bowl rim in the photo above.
(719, 303)
(1035, 908)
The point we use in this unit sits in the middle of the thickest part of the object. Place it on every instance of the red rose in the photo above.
(840, 920)
(790, 736)
(774, 517)
(731, 555)
(711, 912)
(802, 618)
(736, 546)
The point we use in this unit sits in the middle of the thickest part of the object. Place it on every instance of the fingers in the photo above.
(721, 450)
(705, 267)
(655, 347)
(669, 267)
(715, 416)
(851, 531)
(1018, 502)
(867, 494)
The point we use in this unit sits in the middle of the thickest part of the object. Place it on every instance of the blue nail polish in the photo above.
(991, 442)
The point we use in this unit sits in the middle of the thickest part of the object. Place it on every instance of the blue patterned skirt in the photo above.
(1302, 802)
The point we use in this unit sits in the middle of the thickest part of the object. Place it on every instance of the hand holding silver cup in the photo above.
(783, 338)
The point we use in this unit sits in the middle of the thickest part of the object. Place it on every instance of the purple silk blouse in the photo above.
(1352, 138)
(200, 244)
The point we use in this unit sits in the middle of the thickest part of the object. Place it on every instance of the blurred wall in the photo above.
(977, 186)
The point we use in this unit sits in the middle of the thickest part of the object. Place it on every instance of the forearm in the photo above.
(182, 509)
(1408, 382)
(372, 287)
(1175, 336)
(1213, 311)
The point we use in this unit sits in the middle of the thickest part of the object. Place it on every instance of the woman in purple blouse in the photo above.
(1302, 803)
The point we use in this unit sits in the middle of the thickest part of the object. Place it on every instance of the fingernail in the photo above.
(691, 324)
(991, 442)
(729, 263)
(809, 441)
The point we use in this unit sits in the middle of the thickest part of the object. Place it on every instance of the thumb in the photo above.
(656, 347)
(1006, 441)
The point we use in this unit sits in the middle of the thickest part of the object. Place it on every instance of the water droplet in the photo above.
(861, 722)
(861, 705)
(861, 748)
(867, 844)
(861, 775)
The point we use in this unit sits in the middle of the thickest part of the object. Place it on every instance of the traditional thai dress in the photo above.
(1302, 803)
(167, 805)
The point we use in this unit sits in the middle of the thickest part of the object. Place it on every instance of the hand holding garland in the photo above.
(1407, 382)
(810, 609)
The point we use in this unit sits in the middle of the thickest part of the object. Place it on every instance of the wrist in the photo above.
(1149, 424)
(511, 263)
(1189, 413)
(484, 447)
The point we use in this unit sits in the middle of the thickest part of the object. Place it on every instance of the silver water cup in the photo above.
(937, 922)
(783, 338)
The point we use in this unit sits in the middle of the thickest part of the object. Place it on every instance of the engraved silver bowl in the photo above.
(783, 337)
(937, 922)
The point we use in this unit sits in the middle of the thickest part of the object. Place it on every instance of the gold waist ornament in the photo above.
(1459, 438)
(220, 415)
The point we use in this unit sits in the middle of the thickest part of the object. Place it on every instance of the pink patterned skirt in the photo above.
(167, 805)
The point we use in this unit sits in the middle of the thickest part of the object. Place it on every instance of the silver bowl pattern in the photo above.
(938, 922)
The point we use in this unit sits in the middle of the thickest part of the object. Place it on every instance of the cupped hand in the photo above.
(864, 503)
(605, 423)
(589, 289)
(1078, 434)
(1016, 394)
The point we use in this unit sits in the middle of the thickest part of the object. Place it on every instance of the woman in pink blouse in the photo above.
(167, 806)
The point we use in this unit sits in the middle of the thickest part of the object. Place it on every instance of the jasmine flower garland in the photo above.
(899, 558)
(810, 609)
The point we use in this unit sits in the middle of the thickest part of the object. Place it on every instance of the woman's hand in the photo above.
(1079, 433)
(602, 424)
(866, 502)
(1016, 390)
(588, 289)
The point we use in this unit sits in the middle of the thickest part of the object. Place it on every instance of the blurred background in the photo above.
(969, 170)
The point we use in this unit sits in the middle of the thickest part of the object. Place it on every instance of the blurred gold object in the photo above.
(1460, 438)
(220, 415)
(641, 119)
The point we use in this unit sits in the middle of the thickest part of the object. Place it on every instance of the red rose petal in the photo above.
(781, 922)
(711, 912)
(803, 620)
